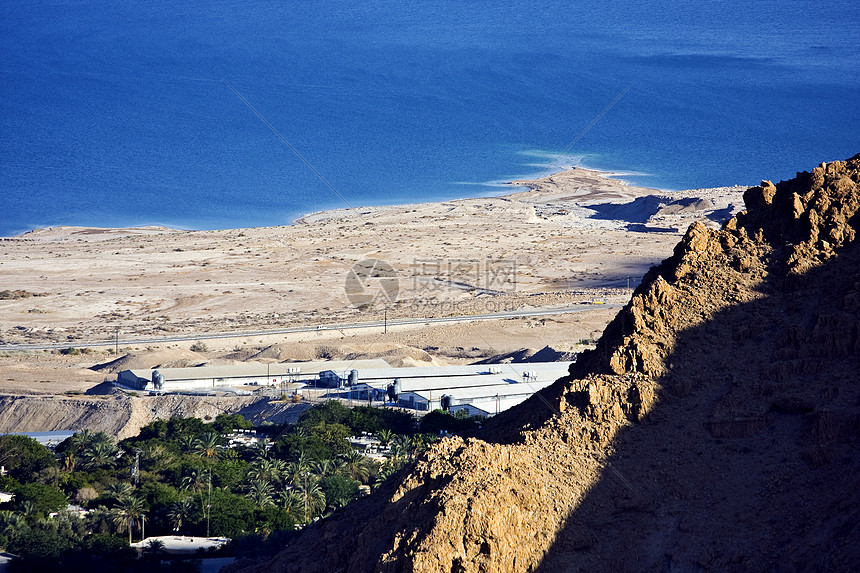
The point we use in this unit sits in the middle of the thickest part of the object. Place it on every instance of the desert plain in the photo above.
(577, 240)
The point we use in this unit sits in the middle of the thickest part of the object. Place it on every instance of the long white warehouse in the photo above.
(209, 377)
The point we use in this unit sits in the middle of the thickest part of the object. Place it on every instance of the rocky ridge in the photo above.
(123, 416)
(714, 426)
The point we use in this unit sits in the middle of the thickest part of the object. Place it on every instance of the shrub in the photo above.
(199, 347)
(338, 490)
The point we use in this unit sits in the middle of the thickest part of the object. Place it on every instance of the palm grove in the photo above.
(177, 477)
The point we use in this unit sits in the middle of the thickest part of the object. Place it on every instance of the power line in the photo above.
(589, 126)
(289, 145)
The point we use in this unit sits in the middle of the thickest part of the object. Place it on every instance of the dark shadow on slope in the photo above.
(637, 211)
(749, 461)
(721, 215)
(641, 228)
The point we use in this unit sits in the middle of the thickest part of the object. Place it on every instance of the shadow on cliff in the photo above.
(749, 458)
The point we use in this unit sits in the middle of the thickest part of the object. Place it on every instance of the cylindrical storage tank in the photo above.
(157, 380)
(353, 377)
(445, 402)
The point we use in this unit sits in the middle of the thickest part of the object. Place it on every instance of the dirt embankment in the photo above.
(123, 416)
(715, 426)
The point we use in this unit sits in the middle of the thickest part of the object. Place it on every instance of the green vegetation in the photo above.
(179, 476)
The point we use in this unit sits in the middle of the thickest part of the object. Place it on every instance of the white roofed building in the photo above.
(251, 374)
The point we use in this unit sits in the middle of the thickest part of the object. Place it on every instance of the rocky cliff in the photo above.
(715, 426)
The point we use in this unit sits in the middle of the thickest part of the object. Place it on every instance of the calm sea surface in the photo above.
(122, 113)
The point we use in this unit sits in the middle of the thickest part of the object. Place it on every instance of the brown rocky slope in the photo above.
(716, 425)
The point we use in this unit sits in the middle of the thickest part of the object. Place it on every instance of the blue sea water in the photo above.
(122, 113)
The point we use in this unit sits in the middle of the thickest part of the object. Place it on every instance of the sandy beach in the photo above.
(571, 238)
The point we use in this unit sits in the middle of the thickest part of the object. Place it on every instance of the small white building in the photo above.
(182, 544)
(72, 511)
(489, 399)
(246, 438)
(435, 381)
(369, 446)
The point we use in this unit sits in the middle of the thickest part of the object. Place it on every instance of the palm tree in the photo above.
(261, 493)
(295, 471)
(126, 514)
(384, 472)
(80, 440)
(157, 455)
(356, 466)
(402, 448)
(99, 454)
(103, 438)
(11, 524)
(119, 490)
(340, 502)
(323, 468)
(28, 508)
(69, 461)
(186, 444)
(403, 443)
(180, 513)
(419, 443)
(338, 466)
(268, 470)
(384, 436)
(291, 500)
(155, 548)
(312, 496)
(208, 445)
(100, 520)
(194, 481)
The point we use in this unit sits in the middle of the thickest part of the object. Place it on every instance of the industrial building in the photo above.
(231, 376)
(479, 389)
(488, 388)
(476, 400)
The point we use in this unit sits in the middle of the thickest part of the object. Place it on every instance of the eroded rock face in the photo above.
(716, 425)
(787, 229)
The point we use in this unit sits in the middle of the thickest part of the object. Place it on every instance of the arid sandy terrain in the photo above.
(571, 238)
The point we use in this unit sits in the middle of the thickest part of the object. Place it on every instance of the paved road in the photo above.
(319, 328)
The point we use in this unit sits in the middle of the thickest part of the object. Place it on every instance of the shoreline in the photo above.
(572, 238)
(571, 230)
(590, 177)
(608, 176)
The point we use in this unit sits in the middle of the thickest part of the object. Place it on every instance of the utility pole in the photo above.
(385, 328)
(135, 471)
(209, 505)
(116, 341)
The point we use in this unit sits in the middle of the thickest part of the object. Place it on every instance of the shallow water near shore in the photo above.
(123, 114)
